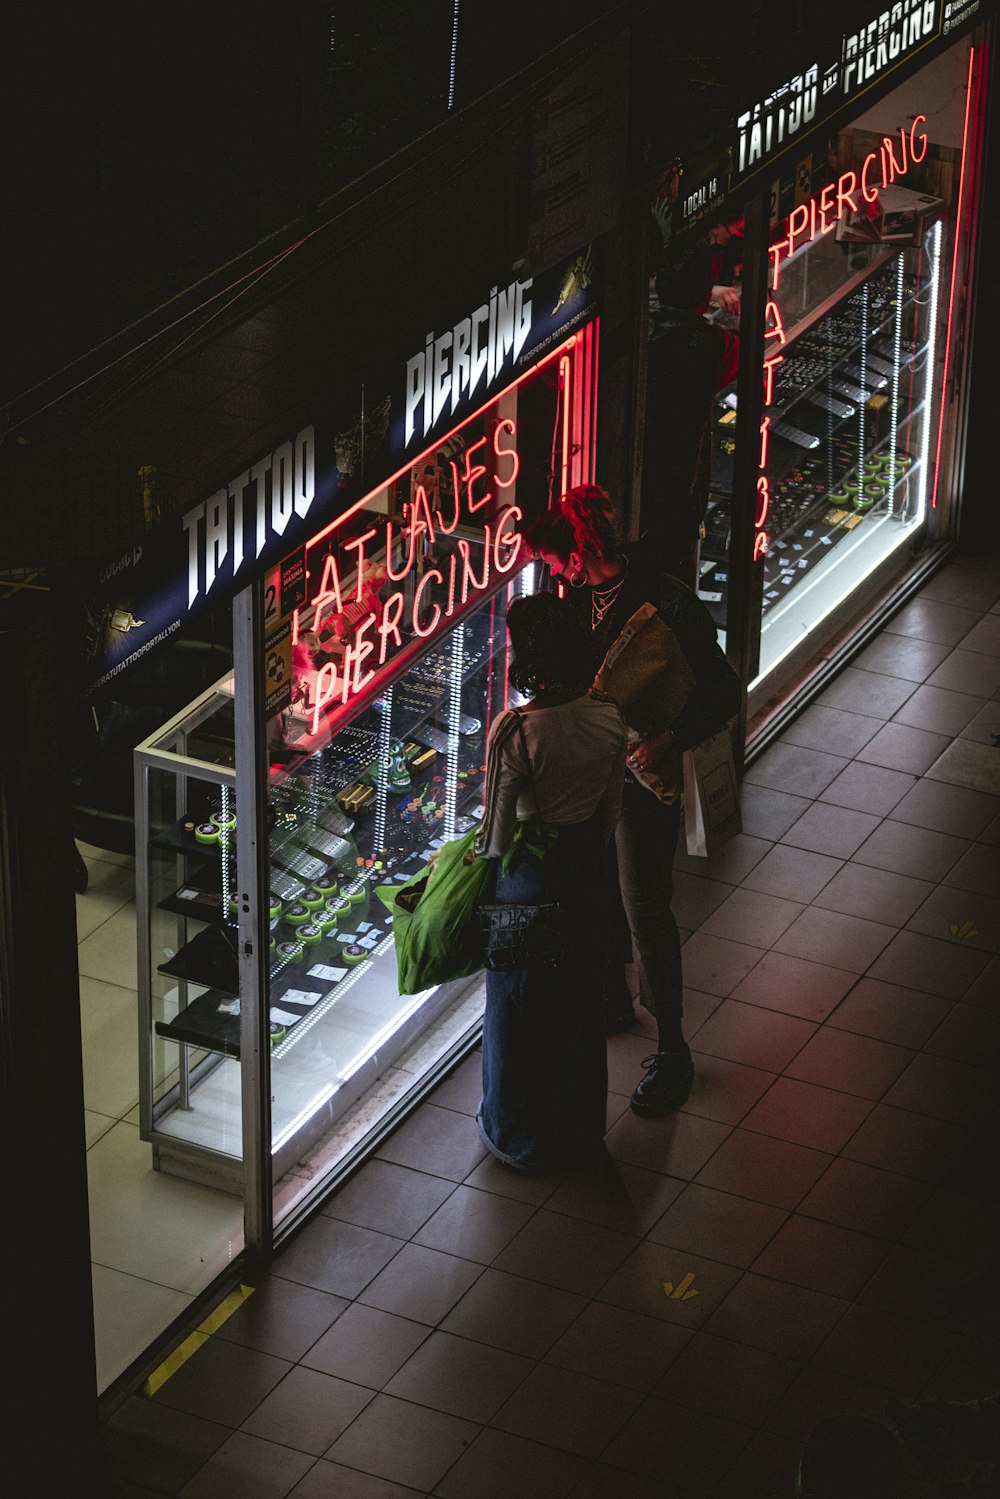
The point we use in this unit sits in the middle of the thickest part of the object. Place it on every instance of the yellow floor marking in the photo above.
(682, 1293)
(196, 1339)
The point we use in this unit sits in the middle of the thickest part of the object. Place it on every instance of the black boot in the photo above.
(667, 1082)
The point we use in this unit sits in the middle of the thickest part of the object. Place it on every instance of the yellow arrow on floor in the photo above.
(681, 1293)
(195, 1340)
(965, 930)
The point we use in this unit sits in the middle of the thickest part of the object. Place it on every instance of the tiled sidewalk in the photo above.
(445, 1327)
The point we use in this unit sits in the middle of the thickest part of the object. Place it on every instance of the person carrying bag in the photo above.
(654, 650)
(554, 775)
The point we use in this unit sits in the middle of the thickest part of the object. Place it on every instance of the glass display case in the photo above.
(352, 809)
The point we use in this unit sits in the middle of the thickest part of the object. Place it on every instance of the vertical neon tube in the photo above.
(954, 270)
(925, 435)
(565, 391)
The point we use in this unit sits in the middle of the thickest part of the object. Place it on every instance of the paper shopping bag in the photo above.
(711, 795)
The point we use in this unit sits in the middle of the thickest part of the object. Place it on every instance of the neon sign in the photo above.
(357, 619)
(806, 223)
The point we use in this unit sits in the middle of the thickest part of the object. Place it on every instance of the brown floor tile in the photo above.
(146, 1443)
(678, 1144)
(420, 1284)
(875, 894)
(791, 768)
(901, 747)
(919, 852)
(832, 730)
(754, 1036)
(794, 986)
(978, 870)
(984, 637)
(984, 992)
(463, 1089)
(946, 809)
(862, 1197)
(819, 1393)
(505, 1311)
(835, 831)
(222, 1382)
(404, 1443)
(730, 864)
(695, 898)
(246, 1467)
(752, 917)
(895, 1352)
(336, 1257)
(459, 1377)
(734, 1381)
(492, 1176)
(677, 1446)
(437, 1141)
(910, 1144)
(790, 1321)
(603, 1482)
(722, 1089)
(333, 1481)
(610, 1342)
(625, 1057)
(868, 788)
(959, 916)
(969, 580)
(821, 1256)
(991, 833)
(769, 814)
(853, 1064)
(616, 1195)
(914, 1284)
(821, 1118)
(939, 711)
(888, 1012)
(714, 965)
(568, 1410)
(926, 619)
(638, 1285)
(945, 1090)
(961, 1227)
(282, 1318)
(365, 1346)
(969, 1035)
(865, 692)
(763, 1169)
(986, 724)
(498, 1465)
(718, 1225)
(565, 1252)
(390, 1199)
(767, 1466)
(919, 962)
(901, 656)
(794, 873)
(848, 942)
(307, 1411)
(967, 671)
(474, 1225)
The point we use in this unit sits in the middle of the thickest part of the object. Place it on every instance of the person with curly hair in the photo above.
(554, 772)
(606, 584)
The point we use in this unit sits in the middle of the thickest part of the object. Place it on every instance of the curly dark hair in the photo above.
(550, 645)
(581, 520)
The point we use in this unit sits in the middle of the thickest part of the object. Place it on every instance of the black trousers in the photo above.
(643, 924)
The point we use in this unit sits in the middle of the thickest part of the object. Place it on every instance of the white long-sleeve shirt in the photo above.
(577, 752)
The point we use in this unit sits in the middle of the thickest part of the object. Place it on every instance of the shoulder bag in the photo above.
(524, 935)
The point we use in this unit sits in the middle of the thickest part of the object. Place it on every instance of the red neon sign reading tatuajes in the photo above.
(371, 624)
